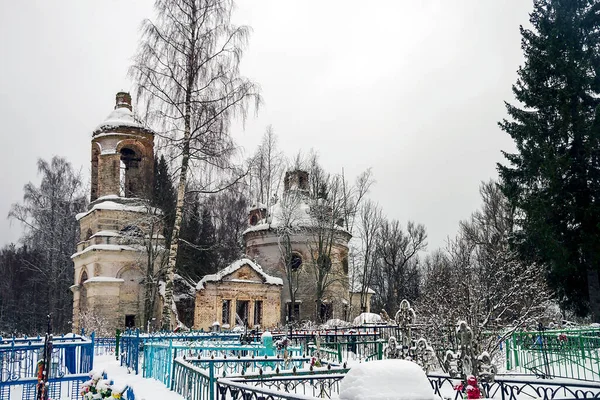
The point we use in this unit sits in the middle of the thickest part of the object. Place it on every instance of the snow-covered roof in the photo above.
(104, 204)
(268, 279)
(119, 117)
(107, 247)
(293, 210)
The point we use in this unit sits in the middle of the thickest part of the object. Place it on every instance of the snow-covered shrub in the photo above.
(94, 322)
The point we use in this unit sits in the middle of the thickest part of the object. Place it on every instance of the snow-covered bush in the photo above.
(94, 322)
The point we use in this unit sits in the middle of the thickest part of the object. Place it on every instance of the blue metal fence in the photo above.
(70, 355)
(105, 345)
(71, 360)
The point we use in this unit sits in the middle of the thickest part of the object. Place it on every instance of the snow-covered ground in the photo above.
(143, 388)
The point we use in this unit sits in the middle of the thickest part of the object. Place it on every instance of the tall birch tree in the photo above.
(187, 73)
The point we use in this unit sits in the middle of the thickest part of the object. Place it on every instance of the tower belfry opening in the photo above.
(130, 179)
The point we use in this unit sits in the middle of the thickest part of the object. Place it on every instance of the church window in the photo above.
(241, 312)
(258, 311)
(84, 277)
(324, 262)
(129, 176)
(130, 321)
(226, 312)
(345, 264)
(83, 292)
(295, 262)
(325, 311)
(253, 219)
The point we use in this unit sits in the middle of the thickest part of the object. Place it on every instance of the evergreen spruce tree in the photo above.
(187, 259)
(164, 196)
(553, 179)
(207, 245)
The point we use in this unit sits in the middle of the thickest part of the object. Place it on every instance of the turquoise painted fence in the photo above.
(131, 343)
(158, 357)
(569, 353)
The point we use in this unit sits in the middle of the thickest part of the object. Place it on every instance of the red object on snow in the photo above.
(473, 391)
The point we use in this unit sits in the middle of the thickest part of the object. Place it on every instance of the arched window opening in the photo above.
(130, 158)
(83, 293)
(94, 188)
(129, 177)
(253, 219)
(324, 262)
(295, 262)
(84, 277)
(345, 265)
(325, 311)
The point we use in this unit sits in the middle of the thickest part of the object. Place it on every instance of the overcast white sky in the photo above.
(413, 89)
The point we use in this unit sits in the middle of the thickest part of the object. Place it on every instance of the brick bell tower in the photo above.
(111, 259)
(122, 154)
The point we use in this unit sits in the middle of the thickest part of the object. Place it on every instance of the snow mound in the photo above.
(335, 323)
(368, 318)
(386, 380)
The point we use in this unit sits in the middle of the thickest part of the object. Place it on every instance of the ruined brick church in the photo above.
(112, 261)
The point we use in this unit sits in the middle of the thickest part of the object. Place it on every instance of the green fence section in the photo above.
(569, 353)
(196, 378)
(340, 352)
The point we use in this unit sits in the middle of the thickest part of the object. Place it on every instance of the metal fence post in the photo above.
(171, 356)
(92, 350)
(136, 351)
(117, 337)
(515, 351)
(211, 380)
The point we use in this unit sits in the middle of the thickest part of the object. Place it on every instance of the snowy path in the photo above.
(144, 389)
